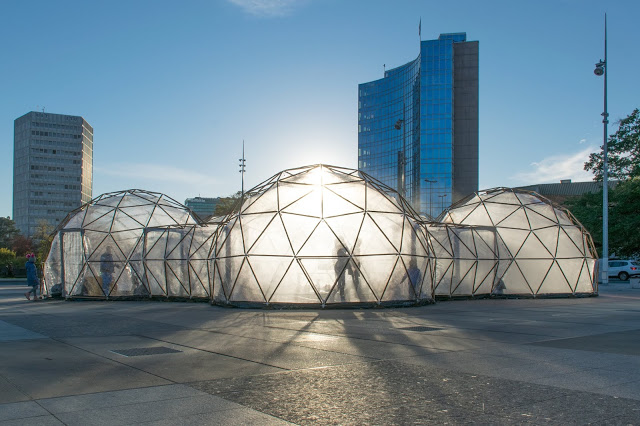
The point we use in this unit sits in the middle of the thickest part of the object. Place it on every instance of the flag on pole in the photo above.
(420, 28)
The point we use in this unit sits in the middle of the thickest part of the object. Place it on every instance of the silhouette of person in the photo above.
(106, 270)
(351, 268)
(499, 289)
(415, 276)
(340, 272)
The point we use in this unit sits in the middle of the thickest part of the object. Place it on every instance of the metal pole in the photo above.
(404, 149)
(605, 172)
(242, 167)
(430, 196)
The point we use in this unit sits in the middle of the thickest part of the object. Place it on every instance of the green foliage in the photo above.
(625, 224)
(43, 240)
(6, 256)
(623, 151)
(588, 210)
(624, 220)
(228, 204)
(8, 232)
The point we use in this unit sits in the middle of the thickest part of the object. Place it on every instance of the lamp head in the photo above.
(599, 71)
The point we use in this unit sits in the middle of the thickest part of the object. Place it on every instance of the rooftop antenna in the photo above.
(42, 109)
(242, 167)
(384, 69)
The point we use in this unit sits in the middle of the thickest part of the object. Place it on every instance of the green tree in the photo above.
(8, 263)
(42, 240)
(624, 203)
(623, 151)
(228, 204)
(6, 256)
(623, 226)
(8, 232)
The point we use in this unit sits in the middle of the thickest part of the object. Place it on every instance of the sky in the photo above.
(173, 88)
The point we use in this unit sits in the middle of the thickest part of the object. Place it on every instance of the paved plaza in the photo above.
(556, 361)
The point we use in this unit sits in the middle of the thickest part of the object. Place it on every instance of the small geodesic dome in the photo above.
(549, 251)
(322, 235)
(127, 243)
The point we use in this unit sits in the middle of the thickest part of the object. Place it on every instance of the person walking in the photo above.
(106, 270)
(32, 277)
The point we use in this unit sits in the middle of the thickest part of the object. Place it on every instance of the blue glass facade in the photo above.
(406, 126)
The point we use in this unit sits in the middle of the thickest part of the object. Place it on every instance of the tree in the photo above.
(624, 203)
(22, 245)
(623, 151)
(228, 204)
(6, 256)
(7, 262)
(8, 232)
(43, 238)
(623, 226)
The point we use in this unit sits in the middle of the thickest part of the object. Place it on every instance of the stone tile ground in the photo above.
(554, 361)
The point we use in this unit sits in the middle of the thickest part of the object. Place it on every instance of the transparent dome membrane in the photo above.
(541, 249)
(320, 236)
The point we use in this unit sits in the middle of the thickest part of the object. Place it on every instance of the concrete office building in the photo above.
(52, 168)
(418, 126)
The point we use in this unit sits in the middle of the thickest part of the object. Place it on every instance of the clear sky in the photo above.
(172, 88)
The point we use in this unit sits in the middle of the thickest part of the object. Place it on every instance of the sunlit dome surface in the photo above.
(322, 235)
(547, 250)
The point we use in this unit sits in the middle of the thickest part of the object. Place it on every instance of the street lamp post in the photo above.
(442, 202)
(402, 161)
(242, 168)
(430, 196)
(601, 70)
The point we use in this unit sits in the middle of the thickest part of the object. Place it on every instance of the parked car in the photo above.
(623, 269)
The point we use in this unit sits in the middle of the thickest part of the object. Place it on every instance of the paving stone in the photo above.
(234, 417)
(45, 368)
(21, 410)
(10, 393)
(48, 420)
(12, 332)
(621, 342)
(148, 411)
(88, 324)
(117, 398)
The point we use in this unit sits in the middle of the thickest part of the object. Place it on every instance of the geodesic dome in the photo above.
(127, 243)
(549, 251)
(322, 235)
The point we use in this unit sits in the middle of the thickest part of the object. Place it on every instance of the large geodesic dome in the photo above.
(127, 243)
(322, 235)
(548, 252)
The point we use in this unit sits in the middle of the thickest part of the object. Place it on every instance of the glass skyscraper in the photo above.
(418, 126)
